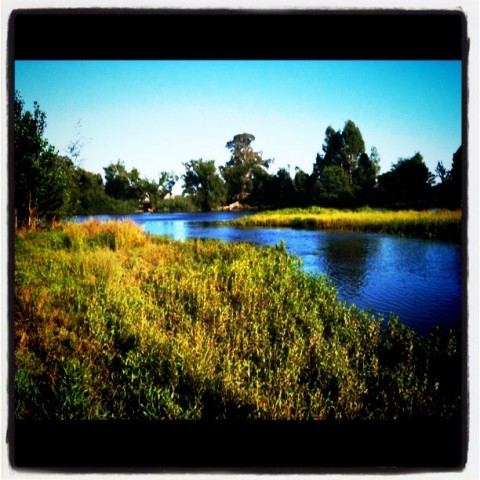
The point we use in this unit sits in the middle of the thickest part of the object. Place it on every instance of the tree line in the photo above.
(49, 186)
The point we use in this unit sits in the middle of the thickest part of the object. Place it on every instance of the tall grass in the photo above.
(113, 324)
(444, 224)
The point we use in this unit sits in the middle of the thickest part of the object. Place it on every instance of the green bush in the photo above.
(175, 204)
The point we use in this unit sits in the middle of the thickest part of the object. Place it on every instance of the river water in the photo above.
(418, 280)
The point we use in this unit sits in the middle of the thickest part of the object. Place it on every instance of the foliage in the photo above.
(204, 184)
(88, 196)
(41, 175)
(449, 192)
(341, 149)
(273, 191)
(301, 183)
(113, 324)
(353, 148)
(244, 166)
(440, 224)
(408, 183)
(175, 204)
(344, 175)
(332, 188)
(166, 182)
(365, 177)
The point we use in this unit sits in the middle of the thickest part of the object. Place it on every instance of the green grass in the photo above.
(441, 224)
(111, 323)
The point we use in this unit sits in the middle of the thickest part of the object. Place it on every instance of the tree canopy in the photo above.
(204, 184)
(408, 183)
(244, 166)
(342, 149)
(41, 175)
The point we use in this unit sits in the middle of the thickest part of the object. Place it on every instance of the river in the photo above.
(418, 280)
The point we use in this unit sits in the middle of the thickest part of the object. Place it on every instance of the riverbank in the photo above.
(438, 224)
(111, 323)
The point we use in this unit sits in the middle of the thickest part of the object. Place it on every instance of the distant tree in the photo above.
(353, 148)
(301, 184)
(332, 189)
(41, 175)
(441, 171)
(137, 184)
(273, 191)
(117, 181)
(204, 184)
(88, 194)
(333, 148)
(239, 172)
(151, 192)
(166, 182)
(455, 177)
(283, 189)
(442, 191)
(448, 193)
(122, 184)
(341, 148)
(365, 177)
(261, 189)
(407, 184)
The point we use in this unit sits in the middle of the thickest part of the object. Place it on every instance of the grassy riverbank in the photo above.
(111, 323)
(442, 224)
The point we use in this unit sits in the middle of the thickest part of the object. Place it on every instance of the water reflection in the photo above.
(347, 259)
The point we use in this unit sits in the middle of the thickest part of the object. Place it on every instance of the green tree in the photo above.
(122, 184)
(282, 189)
(441, 171)
(365, 176)
(261, 186)
(341, 148)
(41, 175)
(407, 184)
(117, 181)
(332, 189)
(333, 148)
(88, 194)
(204, 184)
(244, 164)
(455, 177)
(353, 148)
(166, 182)
(301, 183)
(448, 193)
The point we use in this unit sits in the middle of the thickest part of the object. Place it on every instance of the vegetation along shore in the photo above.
(439, 224)
(111, 323)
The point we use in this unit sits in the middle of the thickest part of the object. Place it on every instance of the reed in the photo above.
(441, 224)
(111, 323)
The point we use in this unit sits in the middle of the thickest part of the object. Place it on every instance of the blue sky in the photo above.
(154, 115)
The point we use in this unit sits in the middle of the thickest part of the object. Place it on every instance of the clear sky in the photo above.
(154, 115)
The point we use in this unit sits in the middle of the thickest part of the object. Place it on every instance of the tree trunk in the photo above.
(32, 213)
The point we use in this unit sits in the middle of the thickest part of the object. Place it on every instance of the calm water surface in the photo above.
(419, 280)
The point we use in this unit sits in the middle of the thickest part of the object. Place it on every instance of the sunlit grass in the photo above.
(111, 323)
(445, 224)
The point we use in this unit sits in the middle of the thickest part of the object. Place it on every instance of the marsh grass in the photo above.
(111, 323)
(442, 224)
